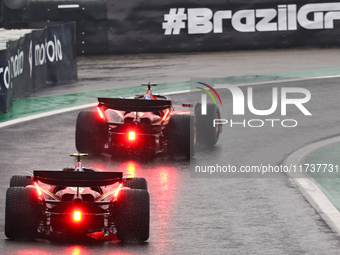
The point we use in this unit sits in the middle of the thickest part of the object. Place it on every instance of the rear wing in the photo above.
(77, 179)
(135, 105)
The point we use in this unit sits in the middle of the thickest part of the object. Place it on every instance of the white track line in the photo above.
(287, 80)
(328, 212)
(44, 114)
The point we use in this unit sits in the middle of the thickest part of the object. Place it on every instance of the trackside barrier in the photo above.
(42, 57)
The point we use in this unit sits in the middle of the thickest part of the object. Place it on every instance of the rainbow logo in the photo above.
(204, 97)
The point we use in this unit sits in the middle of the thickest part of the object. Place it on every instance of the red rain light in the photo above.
(77, 215)
(132, 135)
(100, 112)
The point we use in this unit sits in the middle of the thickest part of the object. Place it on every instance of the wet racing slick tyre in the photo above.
(21, 213)
(20, 181)
(182, 135)
(91, 133)
(207, 134)
(132, 215)
(135, 183)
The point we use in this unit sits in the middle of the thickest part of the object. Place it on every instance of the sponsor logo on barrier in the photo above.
(14, 68)
(239, 105)
(5, 75)
(50, 50)
(17, 64)
(285, 17)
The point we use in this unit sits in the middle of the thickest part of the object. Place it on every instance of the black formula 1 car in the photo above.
(146, 125)
(75, 202)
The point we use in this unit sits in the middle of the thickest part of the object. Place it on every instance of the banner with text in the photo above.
(219, 25)
(119, 27)
(45, 56)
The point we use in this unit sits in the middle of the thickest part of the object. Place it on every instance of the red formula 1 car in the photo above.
(77, 201)
(145, 125)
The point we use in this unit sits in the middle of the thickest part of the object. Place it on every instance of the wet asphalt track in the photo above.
(196, 215)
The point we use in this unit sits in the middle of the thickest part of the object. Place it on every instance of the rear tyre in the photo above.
(135, 183)
(182, 135)
(91, 133)
(20, 181)
(207, 134)
(132, 215)
(21, 213)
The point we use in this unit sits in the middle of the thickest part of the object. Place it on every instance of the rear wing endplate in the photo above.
(77, 179)
(135, 105)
